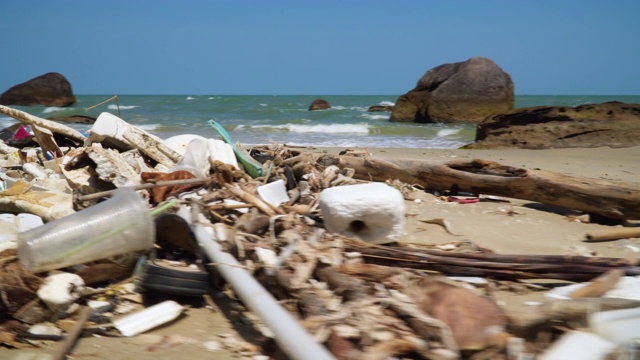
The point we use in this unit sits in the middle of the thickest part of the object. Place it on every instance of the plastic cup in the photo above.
(194, 159)
(116, 226)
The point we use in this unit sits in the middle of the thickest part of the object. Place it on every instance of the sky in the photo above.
(331, 47)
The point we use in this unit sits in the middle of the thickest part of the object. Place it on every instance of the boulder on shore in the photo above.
(465, 91)
(611, 124)
(51, 89)
(319, 104)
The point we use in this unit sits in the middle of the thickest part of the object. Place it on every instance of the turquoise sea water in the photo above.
(284, 119)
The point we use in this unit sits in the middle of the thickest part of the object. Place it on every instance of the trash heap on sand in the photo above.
(92, 224)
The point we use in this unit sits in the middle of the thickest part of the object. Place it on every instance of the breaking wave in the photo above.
(448, 132)
(324, 129)
(375, 117)
(122, 107)
(51, 109)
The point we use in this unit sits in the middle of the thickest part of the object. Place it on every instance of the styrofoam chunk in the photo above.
(578, 345)
(619, 326)
(275, 192)
(373, 212)
(60, 290)
(221, 151)
(27, 221)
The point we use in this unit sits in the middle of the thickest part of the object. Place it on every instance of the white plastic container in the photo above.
(116, 226)
(148, 318)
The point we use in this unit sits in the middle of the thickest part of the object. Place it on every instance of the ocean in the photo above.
(285, 119)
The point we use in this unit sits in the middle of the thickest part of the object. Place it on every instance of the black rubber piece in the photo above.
(170, 281)
(174, 235)
(173, 290)
(153, 269)
(177, 286)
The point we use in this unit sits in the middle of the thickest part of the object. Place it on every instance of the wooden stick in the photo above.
(47, 124)
(102, 194)
(539, 259)
(567, 309)
(613, 234)
(600, 285)
(66, 345)
(115, 97)
(254, 200)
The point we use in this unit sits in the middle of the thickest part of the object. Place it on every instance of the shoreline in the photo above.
(511, 226)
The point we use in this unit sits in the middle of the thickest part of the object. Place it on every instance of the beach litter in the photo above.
(308, 246)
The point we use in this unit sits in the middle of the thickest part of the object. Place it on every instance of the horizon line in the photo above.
(192, 94)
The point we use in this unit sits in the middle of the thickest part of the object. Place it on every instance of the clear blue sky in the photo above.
(317, 47)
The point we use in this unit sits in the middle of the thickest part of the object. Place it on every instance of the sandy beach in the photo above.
(531, 229)
(509, 226)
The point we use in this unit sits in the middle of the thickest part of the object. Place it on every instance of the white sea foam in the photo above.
(190, 98)
(324, 129)
(53, 109)
(375, 117)
(263, 104)
(148, 127)
(387, 103)
(122, 107)
(6, 122)
(448, 132)
(352, 108)
(433, 143)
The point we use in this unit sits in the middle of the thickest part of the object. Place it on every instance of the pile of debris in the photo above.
(306, 242)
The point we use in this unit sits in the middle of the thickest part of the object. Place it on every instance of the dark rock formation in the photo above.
(612, 124)
(51, 89)
(77, 119)
(319, 104)
(380, 108)
(464, 91)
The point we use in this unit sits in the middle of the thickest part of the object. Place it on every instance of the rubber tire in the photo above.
(175, 286)
(170, 281)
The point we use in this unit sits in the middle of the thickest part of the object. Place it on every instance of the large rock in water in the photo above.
(612, 124)
(463, 91)
(319, 104)
(51, 89)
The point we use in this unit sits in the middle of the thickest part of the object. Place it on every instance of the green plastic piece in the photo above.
(252, 167)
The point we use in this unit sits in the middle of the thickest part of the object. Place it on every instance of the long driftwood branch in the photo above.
(44, 123)
(506, 267)
(607, 198)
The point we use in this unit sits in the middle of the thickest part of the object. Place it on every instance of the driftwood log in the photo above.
(43, 123)
(607, 198)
